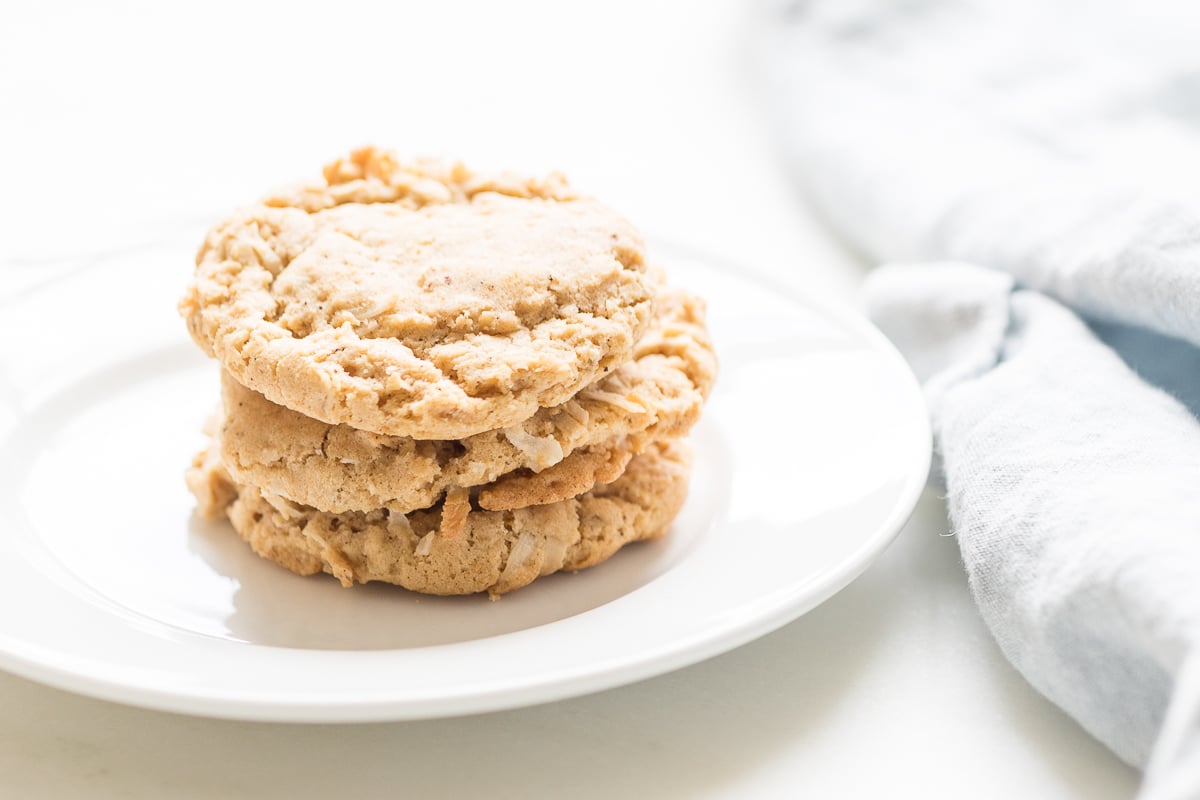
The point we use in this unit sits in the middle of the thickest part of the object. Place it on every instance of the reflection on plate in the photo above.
(810, 456)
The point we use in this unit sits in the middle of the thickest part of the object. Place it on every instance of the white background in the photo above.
(122, 125)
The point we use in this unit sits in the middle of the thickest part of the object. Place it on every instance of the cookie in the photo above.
(557, 453)
(420, 300)
(454, 548)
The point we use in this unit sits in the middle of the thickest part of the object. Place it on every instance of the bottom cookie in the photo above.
(453, 548)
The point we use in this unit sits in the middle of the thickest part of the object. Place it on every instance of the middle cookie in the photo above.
(557, 453)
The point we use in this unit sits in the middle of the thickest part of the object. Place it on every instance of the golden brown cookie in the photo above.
(454, 548)
(559, 452)
(420, 300)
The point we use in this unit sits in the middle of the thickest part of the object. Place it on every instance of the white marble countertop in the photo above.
(120, 123)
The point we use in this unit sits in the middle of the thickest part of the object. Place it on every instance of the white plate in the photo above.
(809, 458)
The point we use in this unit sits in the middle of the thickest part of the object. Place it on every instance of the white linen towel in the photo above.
(1045, 158)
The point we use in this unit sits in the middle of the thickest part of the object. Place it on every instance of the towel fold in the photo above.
(1074, 488)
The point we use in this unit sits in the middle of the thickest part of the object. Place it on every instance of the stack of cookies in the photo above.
(446, 380)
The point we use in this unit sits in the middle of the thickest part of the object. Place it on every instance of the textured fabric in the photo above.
(1074, 488)
(1005, 133)
(1049, 171)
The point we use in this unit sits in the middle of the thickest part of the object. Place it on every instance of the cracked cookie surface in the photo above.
(420, 300)
(559, 452)
(454, 548)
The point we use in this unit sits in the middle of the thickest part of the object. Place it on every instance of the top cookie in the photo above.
(420, 300)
